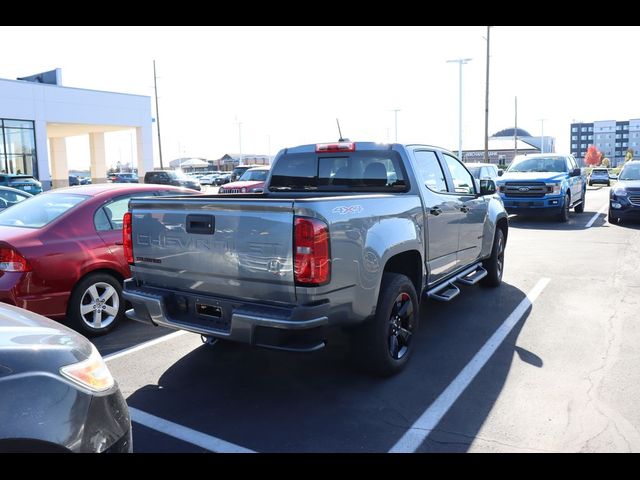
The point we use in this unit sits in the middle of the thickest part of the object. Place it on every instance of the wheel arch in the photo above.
(407, 263)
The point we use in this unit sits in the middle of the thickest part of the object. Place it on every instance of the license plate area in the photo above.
(210, 314)
(208, 310)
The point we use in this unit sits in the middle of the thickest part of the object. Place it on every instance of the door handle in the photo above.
(435, 211)
(119, 242)
(464, 209)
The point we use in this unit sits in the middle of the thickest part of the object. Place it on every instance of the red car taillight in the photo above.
(12, 261)
(311, 249)
(127, 237)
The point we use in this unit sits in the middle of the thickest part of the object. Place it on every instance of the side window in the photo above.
(115, 211)
(11, 196)
(101, 221)
(572, 163)
(429, 172)
(462, 180)
(109, 217)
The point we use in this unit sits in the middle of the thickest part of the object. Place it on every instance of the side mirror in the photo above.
(576, 172)
(487, 187)
(500, 173)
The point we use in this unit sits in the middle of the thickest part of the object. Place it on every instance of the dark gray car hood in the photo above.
(29, 341)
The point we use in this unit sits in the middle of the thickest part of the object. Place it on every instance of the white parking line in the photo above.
(186, 434)
(422, 427)
(150, 343)
(596, 215)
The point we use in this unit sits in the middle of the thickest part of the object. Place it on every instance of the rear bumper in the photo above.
(297, 328)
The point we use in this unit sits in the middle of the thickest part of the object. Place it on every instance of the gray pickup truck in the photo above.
(345, 234)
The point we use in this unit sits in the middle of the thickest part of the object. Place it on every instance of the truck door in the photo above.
(442, 213)
(575, 183)
(472, 207)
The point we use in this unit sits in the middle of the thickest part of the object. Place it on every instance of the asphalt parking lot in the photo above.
(547, 362)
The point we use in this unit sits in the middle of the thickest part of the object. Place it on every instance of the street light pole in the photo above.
(155, 88)
(542, 135)
(460, 62)
(486, 105)
(240, 142)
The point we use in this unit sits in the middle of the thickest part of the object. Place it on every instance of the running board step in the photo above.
(473, 277)
(445, 294)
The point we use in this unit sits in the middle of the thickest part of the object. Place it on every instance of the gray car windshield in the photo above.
(538, 164)
(36, 212)
(630, 172)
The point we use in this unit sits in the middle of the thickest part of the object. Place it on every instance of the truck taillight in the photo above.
(127, 237)
(12, 261)
(335, 147)
(311, 251)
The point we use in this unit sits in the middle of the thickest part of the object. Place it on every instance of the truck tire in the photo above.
(385, 342)
(494, 265)
(96, 304)
(564, 212)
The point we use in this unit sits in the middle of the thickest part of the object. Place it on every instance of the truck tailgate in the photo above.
(215, 246)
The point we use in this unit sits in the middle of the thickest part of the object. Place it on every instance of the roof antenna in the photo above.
(340, 133)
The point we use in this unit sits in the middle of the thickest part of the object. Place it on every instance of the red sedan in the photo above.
(251, 181)
(61, 253)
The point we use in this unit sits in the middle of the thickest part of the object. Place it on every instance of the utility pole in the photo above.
(395, 114)
(155, 87)
(460, 62)
(486, 106)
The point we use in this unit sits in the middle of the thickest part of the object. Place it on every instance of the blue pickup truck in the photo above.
(543, 184)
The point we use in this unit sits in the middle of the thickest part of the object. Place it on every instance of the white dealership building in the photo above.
(37, 114)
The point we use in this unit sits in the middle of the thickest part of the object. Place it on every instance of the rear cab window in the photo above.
(364, 171)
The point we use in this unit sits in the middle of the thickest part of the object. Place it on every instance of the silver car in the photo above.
(599, 175)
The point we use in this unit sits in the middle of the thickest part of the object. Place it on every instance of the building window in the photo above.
(574, 137)
(574, 129)
(624, 144)
(625, 127)
(574, 146)
(591, 129)
(618, 135)
(18, 147)
(618, 144)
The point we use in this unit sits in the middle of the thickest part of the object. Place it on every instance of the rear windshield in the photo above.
(254, 175)
(22, 180)
(602, 172)
(36, 212)
(368, 171)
